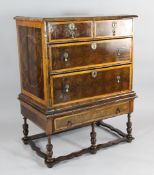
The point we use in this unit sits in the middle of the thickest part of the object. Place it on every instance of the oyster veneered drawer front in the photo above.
(113, 28)
(82, 54)
(73, 30)
(91, 115)
(91, 84)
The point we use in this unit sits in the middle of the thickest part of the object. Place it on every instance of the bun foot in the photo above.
(25, 140)
(49, 164)
(130, 139)
(93, 150)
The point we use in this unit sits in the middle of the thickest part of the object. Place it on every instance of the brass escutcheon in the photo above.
(71, 26)
(69, 124)
(93, 46)
(67, 88)
(65, 56)
(114, 24)
(94, 73)
(118, 78)
(118, 111)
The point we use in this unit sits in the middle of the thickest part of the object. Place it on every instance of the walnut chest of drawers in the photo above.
(75, 71)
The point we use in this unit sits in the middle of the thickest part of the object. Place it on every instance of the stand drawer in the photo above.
(91, 115)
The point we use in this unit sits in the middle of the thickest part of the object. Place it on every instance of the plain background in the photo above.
(135, 158)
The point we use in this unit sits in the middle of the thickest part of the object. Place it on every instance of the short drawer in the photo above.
(91, 54)
(61, 31)
(91, 115)
(113, 28)
(91, 84)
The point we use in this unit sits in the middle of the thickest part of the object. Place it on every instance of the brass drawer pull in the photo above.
(114, 26)
(66, 56)
(94, 73)
(94, 46)
(66, 88)
(118, 52)
(69, 124)
(118, 78)
(118, 111)
(71, 29)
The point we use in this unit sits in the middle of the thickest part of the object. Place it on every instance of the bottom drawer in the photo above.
(91, 115)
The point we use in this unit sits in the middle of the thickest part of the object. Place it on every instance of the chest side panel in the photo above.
(31, 62)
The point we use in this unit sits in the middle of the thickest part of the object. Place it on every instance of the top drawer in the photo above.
(113, 28)
(60, 31)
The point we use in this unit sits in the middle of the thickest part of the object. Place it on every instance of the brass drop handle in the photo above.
(94, 73)
(118, 52)
(69, 124)
(114, 26)
(94, 46)
(72, 29)
(118, 78)
(66, 56)
(66, 88)
(118, 111)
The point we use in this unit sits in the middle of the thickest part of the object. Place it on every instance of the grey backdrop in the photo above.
(136, 158)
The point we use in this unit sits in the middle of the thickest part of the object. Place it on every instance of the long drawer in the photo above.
(91, 115)
(90, 54)
(90, 84)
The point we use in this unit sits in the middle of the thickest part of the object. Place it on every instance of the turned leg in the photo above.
(129, 129)
(93, 139)
(25, 131)
(49, 160)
